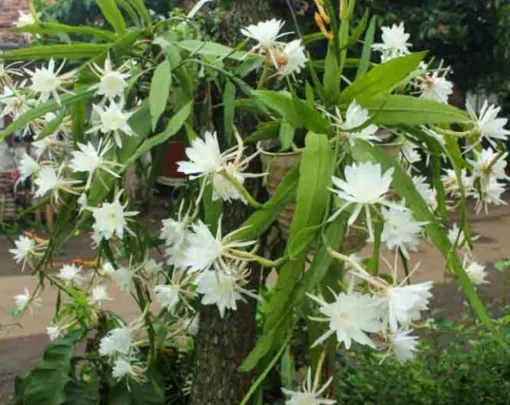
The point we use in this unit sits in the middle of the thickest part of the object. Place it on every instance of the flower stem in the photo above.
(246, 195)
(259, 259)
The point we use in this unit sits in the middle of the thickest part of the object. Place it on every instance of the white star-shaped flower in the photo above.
(394, 42)
(266, 33)
(47, 82)
(112, 120)
(488, 124)
(403, 345)
(351, 316)
(435, 88)
(309, 394)
(70, 273)
(117, 342)
(112, 82)
(111, 218)
(401, 230)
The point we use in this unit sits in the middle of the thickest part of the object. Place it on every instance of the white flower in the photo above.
(410, 153)
(175, 234)
(113, 120)
(70, 273)
(204, 157)
(355, 117)
(54, 332)
(111, 219)
(401, 230)
(491, 192)
(364, 185)
(99, 294)
(394, 42)
(24, 19)
(223, 188)
(402, 345)
(49, 180)
(351, 317)
(220, 289)
(27, 167)
(89, 160)
(121, 369)
(405, 303)
(24, 250)
(489, 165)
(426, 191)
(117, 341)
(46, 81)
(26, 301)
(152, 267)
(123, 277)
(436, 88)
(456, 236)
(265, 33)
(451, 182)
(291, 59)
(308, 395)
(488, 124)
(112, 82)
(14, 103)
(167, 296)
(476, 272)
(203, 248)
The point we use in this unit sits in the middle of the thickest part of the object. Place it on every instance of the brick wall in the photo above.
(9, 15)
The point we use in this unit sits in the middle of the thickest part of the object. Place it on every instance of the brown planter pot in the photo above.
(277, 165)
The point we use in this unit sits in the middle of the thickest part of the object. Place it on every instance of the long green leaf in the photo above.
(113, 15)
(282, 103)
(367, 48)
(396, 110)
(332, 75)
(175, 124)
(68, 51)
(382, 78)
(141, 9)
(57, 28)
(160, 91)
(211, 49)
(262, 219)
(50, 106)
(229, 96)
(404, 186)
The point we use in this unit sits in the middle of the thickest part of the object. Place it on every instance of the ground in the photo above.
(22, 347)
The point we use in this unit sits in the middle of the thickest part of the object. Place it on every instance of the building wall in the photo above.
(8, 15)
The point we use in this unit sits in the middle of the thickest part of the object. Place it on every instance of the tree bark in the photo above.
(222, 344)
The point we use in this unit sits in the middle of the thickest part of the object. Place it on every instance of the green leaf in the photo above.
(396, 109)
(286, 135)
(69, 51)
(262, 219)
(265, 131)
(367, 48)
(142, 11)
(404, 186)
(382, 78)
(49, 28)
(52, 126)
(288, 368)
(175, 124)
(301, 241)
(282, 103)
(229, 95)
(211, 49)
(41, 109)
(332, 75)
(160, 91)
(113, 15)
(47, 381)
(82, 393)
(130, 11)
(315, 173)
(312, 119)
(360, 28)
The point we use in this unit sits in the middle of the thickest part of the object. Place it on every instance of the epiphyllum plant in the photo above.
(115, 101)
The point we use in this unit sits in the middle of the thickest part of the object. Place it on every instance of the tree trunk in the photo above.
(222, 344)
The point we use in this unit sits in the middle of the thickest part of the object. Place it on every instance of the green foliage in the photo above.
(457, 364)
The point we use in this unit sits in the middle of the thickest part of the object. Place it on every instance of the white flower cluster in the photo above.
(287, 58)
(380, 319)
